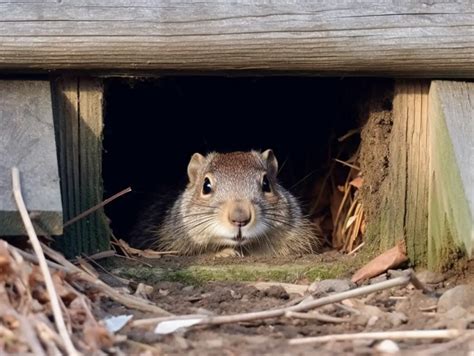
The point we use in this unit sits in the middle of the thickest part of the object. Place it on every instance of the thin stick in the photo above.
(347, 164)
(316, 316)
(96, 207)
(348, 134)
(125, 282)
(101, 255)
(443, 348)
(304, 306)
(392, 335)
(356, 249)
(58, 317)
(32, 258)
(28, 332)
(130, 301)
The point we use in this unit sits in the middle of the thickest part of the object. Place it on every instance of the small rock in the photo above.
(455, 318)
(372, 320)
(163, 292)
(394, 273)
(378, 279)
(214, 343)
(188, 289)
(462, 295)
(276, 292)
(235, 295)
(456, 312)
(397, 318)
(429, 277)
(387, 347)
(330, 286)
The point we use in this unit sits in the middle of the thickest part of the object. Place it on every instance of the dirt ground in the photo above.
(399, 308)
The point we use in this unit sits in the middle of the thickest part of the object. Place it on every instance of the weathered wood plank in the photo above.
(79, 119)
(406, 194)
(374, 37)
(27, 140)
(451, 171)
(403, 193)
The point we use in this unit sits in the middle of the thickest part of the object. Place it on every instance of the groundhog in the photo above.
(232, 205)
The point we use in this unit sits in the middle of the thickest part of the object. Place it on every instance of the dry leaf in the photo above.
(389, 259)
(97, 336)
(357, 182)
(117, 322)
(64, 292)
(6, 269)
(350, 221)
(363, 226)
(170, 326)
(141, 253)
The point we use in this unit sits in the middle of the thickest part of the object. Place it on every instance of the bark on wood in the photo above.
(401, 187)
(427, 193)
(374, 37)
(79, 120)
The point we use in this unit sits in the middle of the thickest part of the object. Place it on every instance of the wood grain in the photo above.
(451, 170)
(27, 141)
(79, 119)
(395, 38)
(404, 207)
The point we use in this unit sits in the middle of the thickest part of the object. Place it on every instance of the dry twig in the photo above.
(55, 306)
(383, 335)
(304, 306)
(125, 299)
(96, 207)
(316, 316)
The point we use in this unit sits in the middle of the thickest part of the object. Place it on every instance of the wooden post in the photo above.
(403, 193)
(451, 171)
(427, 194)
(79, 120)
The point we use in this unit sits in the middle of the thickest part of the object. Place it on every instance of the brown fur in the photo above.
(199, 223)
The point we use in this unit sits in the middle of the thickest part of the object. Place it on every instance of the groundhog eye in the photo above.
(266, 185)
(207, 186)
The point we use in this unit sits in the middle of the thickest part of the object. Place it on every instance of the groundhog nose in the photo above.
(240, 216)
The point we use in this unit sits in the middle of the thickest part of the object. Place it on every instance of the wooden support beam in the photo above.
(79, 120)
(451, 171)
(405, 194)
(27, 141)
(349, 37)
(427, 193)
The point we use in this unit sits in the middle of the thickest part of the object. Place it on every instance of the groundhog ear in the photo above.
(272, 163)
(194, 166)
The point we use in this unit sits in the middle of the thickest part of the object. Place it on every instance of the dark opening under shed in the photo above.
(153, 126)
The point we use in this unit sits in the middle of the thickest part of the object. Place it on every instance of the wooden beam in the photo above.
(451, 171)
(351, 37)
(426, 196)
(78, 106)
(27, 141)
(404, 191)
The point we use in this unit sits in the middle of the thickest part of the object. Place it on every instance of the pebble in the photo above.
(276, 292)
(397, 318)
(387, 347)
(428, 277)
(331, 286)
(378, 279)
(462, 295)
